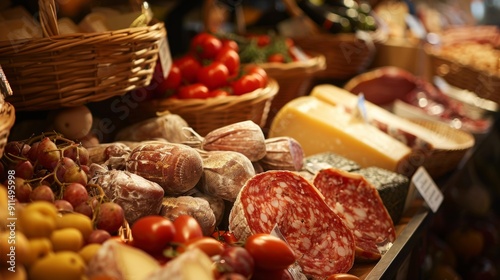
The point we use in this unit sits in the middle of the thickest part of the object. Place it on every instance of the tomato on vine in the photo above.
(225, 236)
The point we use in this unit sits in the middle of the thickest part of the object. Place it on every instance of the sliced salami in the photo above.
(321, 241)
(358, 203)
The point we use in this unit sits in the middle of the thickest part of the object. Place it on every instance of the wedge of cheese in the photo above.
(410, 133)
(320, 127)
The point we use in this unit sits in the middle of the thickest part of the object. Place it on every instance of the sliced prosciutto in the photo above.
(358, 203)
(321, 241)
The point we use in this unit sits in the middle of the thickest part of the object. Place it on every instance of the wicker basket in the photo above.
(294, 79)
(205, 115)
(346, 54)
(7, 119)
(70, 70)
(441, 160)
(485, 84)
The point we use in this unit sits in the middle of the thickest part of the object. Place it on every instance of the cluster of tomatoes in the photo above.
(260, 256)
(210, 68)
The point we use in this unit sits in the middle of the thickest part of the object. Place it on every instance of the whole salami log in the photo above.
(216, 204)
(177, 168)
(173, 207)
(168, 127)
(224, 173)
(359, 204)
(137, 196)
(103, 152)
(283, 153)
(245, 137)
(321, 241)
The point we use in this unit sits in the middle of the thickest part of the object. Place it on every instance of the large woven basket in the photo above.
(205, 115)
(295, 79)
(443, 160)
(73, 69)
(485, 84)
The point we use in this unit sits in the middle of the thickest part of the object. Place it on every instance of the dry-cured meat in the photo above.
(358, 203)
(320, 239)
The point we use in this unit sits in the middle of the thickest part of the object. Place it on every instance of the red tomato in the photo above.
(225, 236)
(263, 40)
(205, 45)
(189, 67)
(227, 43)
(166, 86)
(173, 79)
(247, 83)
(214, 75)
(152, 233)
(256, 69)
(186, 228)
(208, 245)
(230, 58)
(269, 252)
(276, 57)
(197, 90)
(218, 92)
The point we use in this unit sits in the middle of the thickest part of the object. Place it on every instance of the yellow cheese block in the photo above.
(320, 127)
(338, 96)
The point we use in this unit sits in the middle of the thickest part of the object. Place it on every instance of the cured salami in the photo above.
(321, 241)
(358, 203)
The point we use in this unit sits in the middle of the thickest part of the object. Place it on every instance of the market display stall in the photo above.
(256, 153)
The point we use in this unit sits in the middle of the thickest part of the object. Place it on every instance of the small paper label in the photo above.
(165, 57)
(427, 188)
(361, 108)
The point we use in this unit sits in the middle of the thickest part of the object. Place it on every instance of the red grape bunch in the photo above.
(53, 168)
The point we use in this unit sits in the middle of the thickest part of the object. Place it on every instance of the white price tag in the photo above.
(427, 188)
(165, 56)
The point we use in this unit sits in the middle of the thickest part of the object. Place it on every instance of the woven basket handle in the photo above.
(48, 18)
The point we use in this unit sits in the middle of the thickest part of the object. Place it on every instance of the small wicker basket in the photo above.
(205, 115)
(73, 69)
(346, 54)
(295, 79)
(441, 161)
(484, 83)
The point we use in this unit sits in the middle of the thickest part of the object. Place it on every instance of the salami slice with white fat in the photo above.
(358, 203)
(321, 241)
